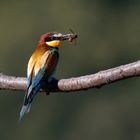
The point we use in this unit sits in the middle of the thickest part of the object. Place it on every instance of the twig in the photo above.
(79, 83)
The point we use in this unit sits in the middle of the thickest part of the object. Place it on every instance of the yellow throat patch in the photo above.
(54, 43)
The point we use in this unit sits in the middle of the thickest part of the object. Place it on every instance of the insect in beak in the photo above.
(70, 37)
(73, 39)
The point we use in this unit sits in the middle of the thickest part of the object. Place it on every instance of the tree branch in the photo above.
(79, 83)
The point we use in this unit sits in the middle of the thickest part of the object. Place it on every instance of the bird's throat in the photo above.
(54, 43)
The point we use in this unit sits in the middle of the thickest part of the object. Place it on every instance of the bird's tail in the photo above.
(27, 102)
(29, 96)
(24, 109)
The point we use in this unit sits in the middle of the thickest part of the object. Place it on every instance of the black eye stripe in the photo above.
(48, 39)
(52, 38)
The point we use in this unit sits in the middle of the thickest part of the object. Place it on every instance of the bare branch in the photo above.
(79, 83)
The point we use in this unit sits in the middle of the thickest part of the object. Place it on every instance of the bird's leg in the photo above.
(47, 93)
(48, 85)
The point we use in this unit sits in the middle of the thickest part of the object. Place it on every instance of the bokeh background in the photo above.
(109, 32)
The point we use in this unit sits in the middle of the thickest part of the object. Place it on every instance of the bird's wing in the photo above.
(26, 107)
(43, 69)
(30, 70)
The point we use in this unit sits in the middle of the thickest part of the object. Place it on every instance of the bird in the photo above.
(42, 64)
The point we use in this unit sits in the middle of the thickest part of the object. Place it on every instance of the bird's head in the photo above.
(55, 39)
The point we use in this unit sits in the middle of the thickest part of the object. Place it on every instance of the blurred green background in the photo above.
(109, 32)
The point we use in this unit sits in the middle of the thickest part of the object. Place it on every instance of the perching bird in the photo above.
(42, 64)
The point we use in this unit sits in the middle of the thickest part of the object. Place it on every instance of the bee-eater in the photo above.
(42, 64)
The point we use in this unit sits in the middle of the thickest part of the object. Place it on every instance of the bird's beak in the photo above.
(61, 37)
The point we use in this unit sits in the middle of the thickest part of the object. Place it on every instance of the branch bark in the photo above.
(79, 83)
